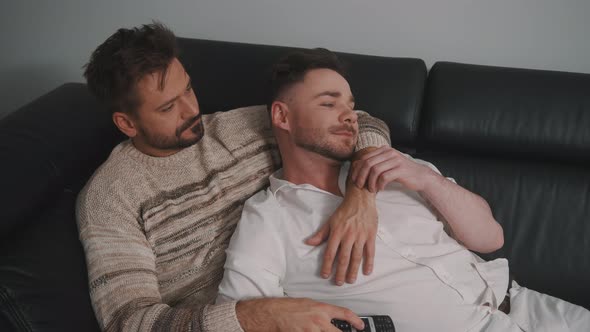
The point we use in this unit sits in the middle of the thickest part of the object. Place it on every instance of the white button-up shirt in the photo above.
(422, 278)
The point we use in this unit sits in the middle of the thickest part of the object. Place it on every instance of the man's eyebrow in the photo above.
(334, 94)
(173, 99)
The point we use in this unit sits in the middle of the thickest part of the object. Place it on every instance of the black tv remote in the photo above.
(376, 323)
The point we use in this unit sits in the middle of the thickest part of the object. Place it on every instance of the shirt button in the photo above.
(486, 308)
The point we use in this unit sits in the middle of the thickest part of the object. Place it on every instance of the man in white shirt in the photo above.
(425, 276)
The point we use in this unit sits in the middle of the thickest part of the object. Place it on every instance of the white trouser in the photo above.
(531, 311)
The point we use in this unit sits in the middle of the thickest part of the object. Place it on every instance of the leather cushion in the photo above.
(507, 111)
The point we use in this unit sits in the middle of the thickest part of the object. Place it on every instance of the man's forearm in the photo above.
(468, 215)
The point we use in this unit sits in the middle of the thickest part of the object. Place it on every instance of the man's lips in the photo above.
(344, 132)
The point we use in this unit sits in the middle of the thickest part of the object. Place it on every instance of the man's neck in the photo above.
(304, 167)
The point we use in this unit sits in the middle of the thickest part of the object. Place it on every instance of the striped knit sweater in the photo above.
(155, 230)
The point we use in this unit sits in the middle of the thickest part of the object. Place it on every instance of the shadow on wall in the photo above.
(21, 85)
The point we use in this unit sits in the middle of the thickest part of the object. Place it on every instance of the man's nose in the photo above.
(349, 116)
(190, 108)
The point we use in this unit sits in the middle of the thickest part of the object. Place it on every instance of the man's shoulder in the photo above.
(240, 127)
(261, 206)
(261, 215)
(117, 166)
(118, 174)
(258, 233)
(251, 117)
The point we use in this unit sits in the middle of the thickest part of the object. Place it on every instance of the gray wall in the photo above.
(45, 43)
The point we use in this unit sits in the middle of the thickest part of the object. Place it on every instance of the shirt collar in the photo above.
(278, 183)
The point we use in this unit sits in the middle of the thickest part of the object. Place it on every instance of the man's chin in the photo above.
(338, 155)
(196, 133)
(346, 151)
(185, 143)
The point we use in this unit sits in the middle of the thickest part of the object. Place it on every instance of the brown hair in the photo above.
(126, 57)
(292, 68)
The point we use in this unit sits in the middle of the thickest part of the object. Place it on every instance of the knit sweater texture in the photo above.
(155, 230)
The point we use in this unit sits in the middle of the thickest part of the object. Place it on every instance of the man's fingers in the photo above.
(375, 152)
(361, 167)
(344, 253)
(320, 236)
(378, 170)
(367, 166)
(349, 316)
(355, 262)
(369, 255)
(330, 255)
(386, 178)
(360, 161)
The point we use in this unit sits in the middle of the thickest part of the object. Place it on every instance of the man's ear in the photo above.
(125, 123)
(278, 113)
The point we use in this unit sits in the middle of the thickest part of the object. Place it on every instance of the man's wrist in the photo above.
(243, 314)
(433, 183)
(355, 193)
(252, 316)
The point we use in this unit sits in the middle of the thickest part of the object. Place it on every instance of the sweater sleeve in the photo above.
(372, 132)
(122, 276)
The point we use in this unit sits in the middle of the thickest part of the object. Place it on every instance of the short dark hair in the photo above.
(292, 68)
(117, 65)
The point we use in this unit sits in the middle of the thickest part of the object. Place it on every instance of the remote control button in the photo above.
(342, 325)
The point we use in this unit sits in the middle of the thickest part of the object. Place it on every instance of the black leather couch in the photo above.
(520, 138)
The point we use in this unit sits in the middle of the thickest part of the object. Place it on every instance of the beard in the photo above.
(317, 140)
(164, 142)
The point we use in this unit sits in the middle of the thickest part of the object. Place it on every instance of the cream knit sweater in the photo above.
(155, 230)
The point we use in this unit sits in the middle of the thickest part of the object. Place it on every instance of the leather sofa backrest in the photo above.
(517, 112)
(51, 144)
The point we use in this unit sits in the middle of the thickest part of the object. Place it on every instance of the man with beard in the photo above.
(425, 278)
(156, 217)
